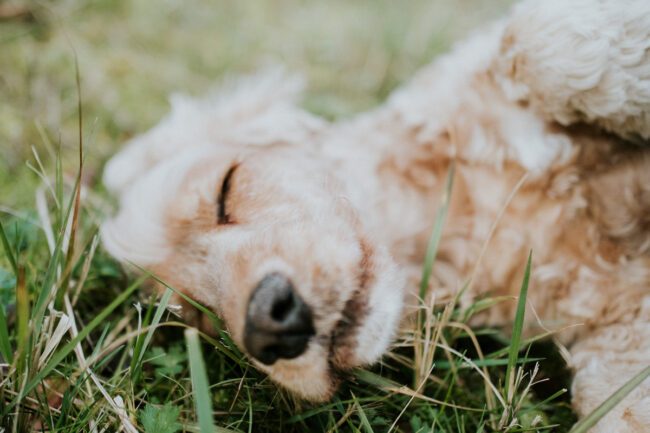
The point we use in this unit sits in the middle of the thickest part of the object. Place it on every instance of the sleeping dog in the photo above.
(308, 237)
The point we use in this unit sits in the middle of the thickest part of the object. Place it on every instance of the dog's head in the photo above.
(268, 238)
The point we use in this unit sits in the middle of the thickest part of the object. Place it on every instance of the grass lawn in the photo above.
(85, 349)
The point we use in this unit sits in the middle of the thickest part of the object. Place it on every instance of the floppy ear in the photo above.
(139, 232)
(254, 110)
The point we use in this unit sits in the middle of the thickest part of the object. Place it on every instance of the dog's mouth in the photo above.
(361, 334)
(343, 338)
(280, 323)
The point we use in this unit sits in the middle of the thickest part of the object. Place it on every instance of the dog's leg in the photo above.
(603, 362)
(580, 61)
(619, 203)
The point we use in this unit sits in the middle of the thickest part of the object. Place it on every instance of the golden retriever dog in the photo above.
(308, 237)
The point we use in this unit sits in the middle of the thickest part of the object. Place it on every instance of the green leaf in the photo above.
(169, 363)
(160, 419)
(416, 424)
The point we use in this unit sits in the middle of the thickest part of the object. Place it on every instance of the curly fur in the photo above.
(559, 91)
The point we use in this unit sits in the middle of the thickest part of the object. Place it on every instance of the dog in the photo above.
(308, 237)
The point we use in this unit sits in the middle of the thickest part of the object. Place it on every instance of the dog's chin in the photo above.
(359, 339)
(309, 376)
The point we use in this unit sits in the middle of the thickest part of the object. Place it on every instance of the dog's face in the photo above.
(268, 238)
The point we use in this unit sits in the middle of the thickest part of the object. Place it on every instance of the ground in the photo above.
(131, 55)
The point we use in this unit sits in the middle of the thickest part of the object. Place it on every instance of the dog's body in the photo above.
(557, 93)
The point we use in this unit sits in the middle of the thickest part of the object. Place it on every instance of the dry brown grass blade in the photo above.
(488, 391)
(408, 403)
(493, 228)
(405, 390)
(346, 415)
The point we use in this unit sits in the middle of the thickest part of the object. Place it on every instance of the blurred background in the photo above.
(133, 53)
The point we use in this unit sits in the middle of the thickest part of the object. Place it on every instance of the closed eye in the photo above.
(223, 217)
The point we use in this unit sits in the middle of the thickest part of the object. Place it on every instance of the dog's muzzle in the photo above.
(278, 323)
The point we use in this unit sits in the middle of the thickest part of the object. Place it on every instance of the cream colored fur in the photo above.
(558, 92)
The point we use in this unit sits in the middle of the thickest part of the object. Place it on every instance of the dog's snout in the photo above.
(278, 322)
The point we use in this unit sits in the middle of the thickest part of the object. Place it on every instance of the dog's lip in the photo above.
(354, 310)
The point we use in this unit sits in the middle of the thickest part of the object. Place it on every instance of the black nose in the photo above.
(278, 322)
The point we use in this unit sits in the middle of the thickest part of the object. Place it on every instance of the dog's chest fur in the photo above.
(587, 237)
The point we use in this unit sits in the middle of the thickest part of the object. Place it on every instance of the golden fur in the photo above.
(346, 209)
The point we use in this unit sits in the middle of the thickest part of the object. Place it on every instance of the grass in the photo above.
(84, 348)
(202, 400)
(102, 361)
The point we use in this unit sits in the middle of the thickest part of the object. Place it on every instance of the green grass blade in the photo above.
(518, 327)
(218, 429)
(139, 341)
(234, 352)
(59, 186)
(182, 295)
(5, 347)
(7, 249)
(480, 305)
(535, 429)
(543, 402)
(374, 379)
(326, 407)
(202, 399)
(162, 306)
(58, 300)
(499, 353)
(65, 351)
(250, 411)
(51, 273)
(590, 420)
(446, 365)
(362, 415)
(436, 233)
